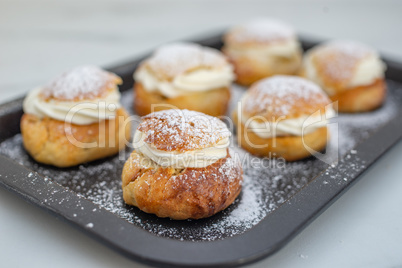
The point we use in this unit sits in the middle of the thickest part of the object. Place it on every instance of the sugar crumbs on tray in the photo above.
(267, 183)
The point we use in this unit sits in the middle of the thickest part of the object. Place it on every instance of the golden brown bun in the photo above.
(182, 130)
(334, 65)
(282, 95)
(172, 60)
(242, 42)
(276, 98)
(259, 31)
(58, 143)
(211, 102)
(358, 99)
(191, 193)
(291, 148)
(249, 70)
(81, 83)
(361, 99)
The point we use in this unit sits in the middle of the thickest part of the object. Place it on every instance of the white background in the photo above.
(40, 39)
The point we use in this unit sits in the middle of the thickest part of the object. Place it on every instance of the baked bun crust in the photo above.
(249, 70)
(82, 83)
(279, 98)
(182, 130)
(291, 148)
(283, 96)
(183, 76)
(57, 143)
(212, 102)
(172, 60)
(156, 181)
(262, 48)
(351, 73)
(190, 193)
(361, 99)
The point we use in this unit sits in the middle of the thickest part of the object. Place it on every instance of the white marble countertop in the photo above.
(41, 38)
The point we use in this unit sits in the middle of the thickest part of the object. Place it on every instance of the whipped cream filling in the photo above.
(285, 49)
(189, 159)
(186, 83)
(82, 112)
(296, 126)
(367, 71)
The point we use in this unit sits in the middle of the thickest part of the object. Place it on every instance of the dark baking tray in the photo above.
(66, 200)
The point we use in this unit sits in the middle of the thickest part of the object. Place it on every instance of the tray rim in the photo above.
(192, 250)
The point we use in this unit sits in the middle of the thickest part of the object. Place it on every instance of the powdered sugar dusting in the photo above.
(280, 94)
(352, 49)
(89, 225)
(267, 183)
(177, 58)
(338, 59)
(230, 170)
(182, 130)
(262, 30)
(84, 82)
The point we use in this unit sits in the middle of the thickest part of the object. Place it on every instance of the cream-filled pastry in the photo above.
(75, 118)
(181, 167)
(183, 76)
(351, 73)
(262, 48)
(283, 116)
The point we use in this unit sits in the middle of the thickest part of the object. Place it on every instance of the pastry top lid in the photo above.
(260, 31)
(336, 61)
(171, 60)
(84, 82)
(283, 95)
(182, 130)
